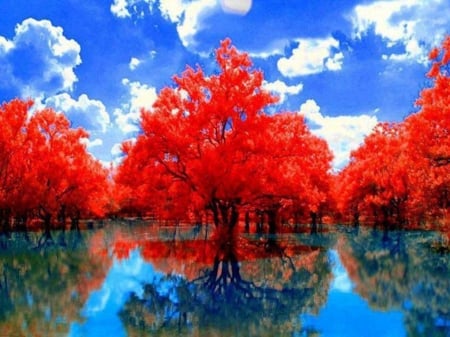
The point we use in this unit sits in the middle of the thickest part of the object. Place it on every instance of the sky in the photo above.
(345, 65)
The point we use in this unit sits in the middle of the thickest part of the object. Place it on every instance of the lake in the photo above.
(138, 280)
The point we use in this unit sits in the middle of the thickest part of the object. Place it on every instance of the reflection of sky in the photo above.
(102, 307)
(346, 314)
(341, 281)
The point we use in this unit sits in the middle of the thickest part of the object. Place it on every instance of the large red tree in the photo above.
(208, 144)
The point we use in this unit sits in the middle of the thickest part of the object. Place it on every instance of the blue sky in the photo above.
(343, 64)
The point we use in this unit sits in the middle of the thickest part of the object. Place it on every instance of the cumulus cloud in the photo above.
(281, 89)
(414, 24)
(187, 15)
(342, 133)
(140, 96)
(39, 60)
(312, 56)
(89, 113)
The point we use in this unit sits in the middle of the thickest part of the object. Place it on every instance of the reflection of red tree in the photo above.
(191, 257)
(92, 279)
(42, 292)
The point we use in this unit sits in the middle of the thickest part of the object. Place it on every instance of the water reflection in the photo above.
(43, 288)
(403, 271)
(256, 288)
(138, 281)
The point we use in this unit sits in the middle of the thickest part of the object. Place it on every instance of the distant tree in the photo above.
(207, 144)
(429, 132)
(13, 170)
(375, 182)
(401, 173)
(45, 168)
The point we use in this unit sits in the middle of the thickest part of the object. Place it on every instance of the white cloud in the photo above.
(116, 150)
(415, 24)
(39, 60)
(342, 133)
(140, 96)
(312, 56)
(134, 63)
(282, 89)
(119, 8)
(172, 10)
(187, 15)
(126, 8)
(89, 113)
(92, 143)
(5, 45)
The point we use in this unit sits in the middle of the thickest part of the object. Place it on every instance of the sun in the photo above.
(240, 7)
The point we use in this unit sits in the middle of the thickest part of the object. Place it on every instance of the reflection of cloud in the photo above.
(98, 300)
(342, 133)
(125, 277)
(341, 281)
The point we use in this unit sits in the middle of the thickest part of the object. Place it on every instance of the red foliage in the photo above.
(401, 174)
(45, 169)
(207, 144)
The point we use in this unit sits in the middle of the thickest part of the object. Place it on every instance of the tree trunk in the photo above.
(75, 221)
(46, 237)
(247, 222)
(62, 217)
(272, 219)
(313, 222)
(5, 219)
(225, 213)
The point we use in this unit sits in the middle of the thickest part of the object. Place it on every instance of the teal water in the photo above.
(146, 280)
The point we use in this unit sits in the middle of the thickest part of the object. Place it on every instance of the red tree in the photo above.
(376, 182)
(208, 144)
(13, 170)
(402, 171)
(45, 168)
(429, 132)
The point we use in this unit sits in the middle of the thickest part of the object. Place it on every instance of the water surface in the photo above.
(147, 280)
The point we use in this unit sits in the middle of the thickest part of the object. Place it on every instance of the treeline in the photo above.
(209, 152)
(401, 173)
(46, 172)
